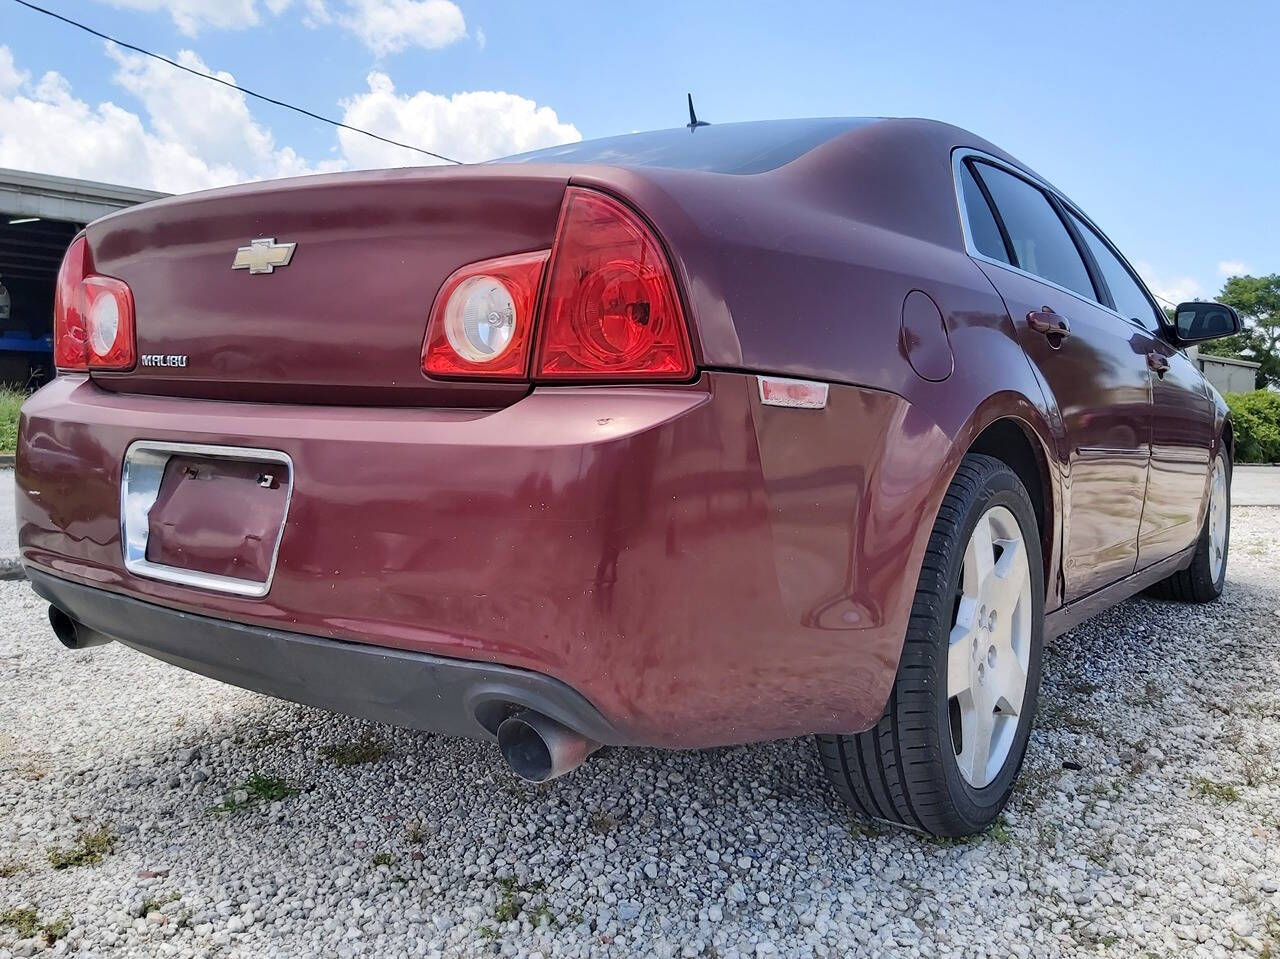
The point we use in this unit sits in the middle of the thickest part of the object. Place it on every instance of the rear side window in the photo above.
(1130, 299)
(982, 222)
(1041, 243)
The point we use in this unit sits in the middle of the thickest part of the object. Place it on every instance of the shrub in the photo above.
(11, 401)
(1256, 419)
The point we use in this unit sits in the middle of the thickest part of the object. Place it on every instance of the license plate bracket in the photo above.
(211, 517)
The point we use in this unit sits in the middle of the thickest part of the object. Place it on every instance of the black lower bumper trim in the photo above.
(416, 690)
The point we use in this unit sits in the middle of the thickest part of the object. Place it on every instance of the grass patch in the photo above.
(1151, 694)
(26, 923)
(11, 401)
(10, 868)
(1221, 791)
(256, 789)
(1259, 770)
(860, 828)
(602, 823)
(153, 905)
(1100, 853)
(89, 848)
(268, 739)
(383, 859)
(354, 754)
(509, 905)
(542, 916)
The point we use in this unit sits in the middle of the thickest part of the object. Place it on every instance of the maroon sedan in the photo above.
(677, 439)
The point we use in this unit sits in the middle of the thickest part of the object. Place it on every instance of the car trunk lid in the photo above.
(337, 318)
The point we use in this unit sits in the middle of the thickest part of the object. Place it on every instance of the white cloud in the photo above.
(192, 16)
(472, 126)
(481, 39)
(46, 128)
(211, 120)
(1171, 290)
(384, 26)
(389, 26)
(1232, 268)
(192, 134)
(10, 77)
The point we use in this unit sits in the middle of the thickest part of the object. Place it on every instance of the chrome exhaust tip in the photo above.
(537, 748)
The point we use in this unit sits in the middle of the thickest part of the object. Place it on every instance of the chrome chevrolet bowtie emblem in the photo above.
(263, 256)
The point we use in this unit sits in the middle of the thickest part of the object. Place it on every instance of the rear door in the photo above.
(1182, 423)
(1094, 364)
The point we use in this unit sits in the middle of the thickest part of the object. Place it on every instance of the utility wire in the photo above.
(227, 83)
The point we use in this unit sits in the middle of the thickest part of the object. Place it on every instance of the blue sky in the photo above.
(1157, 118)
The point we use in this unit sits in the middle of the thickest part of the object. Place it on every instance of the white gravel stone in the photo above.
(433, 849)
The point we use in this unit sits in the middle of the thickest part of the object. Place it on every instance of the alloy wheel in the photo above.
(990, 647)
(1217, 519)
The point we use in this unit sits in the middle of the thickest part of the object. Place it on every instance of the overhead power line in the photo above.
(234, 86)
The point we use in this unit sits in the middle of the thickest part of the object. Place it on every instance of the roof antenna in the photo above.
(694, 122)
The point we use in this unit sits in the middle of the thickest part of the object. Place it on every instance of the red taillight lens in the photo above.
(93, 316)
(611, 310)
(482, 322)
(108, 315)
(70, 351)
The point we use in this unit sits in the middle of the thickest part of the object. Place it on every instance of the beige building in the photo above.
(1226, 373)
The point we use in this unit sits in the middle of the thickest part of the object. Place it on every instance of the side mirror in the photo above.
(1194, 322)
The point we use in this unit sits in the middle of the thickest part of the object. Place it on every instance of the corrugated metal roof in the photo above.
(63, 198)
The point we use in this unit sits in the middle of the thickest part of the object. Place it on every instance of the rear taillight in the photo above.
(482, 324)
(609, 309)
(70, 351)
(108, 314)
(93, 316)
(611, 306)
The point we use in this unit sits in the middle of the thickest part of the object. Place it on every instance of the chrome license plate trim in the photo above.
(143, 470)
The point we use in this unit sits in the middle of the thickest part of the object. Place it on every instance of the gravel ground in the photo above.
(1147, 822)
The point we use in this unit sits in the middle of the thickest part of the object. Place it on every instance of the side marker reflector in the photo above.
(796, 394)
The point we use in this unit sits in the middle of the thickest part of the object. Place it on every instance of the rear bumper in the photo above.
(415, 690)
(701, 569)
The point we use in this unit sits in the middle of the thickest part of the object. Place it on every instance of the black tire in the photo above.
(904, 770)
(1196, 583)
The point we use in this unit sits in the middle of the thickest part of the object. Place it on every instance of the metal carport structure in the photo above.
(39, 216)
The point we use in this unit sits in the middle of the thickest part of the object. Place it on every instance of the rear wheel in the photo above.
(1202, 581)
(944, 757)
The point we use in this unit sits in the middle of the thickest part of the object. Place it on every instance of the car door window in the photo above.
(1041, 243)
(1131, 300)
(983, 230)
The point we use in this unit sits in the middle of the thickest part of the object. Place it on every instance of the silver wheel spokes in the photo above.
(1217, 519)
(990, 647)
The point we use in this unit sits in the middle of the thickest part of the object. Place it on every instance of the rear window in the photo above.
(718, 148)
(1040, 239)
(982, 222)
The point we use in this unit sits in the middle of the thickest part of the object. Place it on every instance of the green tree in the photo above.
(1257, 300)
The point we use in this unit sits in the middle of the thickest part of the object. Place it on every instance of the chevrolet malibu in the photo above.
(679, 439)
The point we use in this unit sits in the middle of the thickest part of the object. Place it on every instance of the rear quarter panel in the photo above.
(803, 272)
